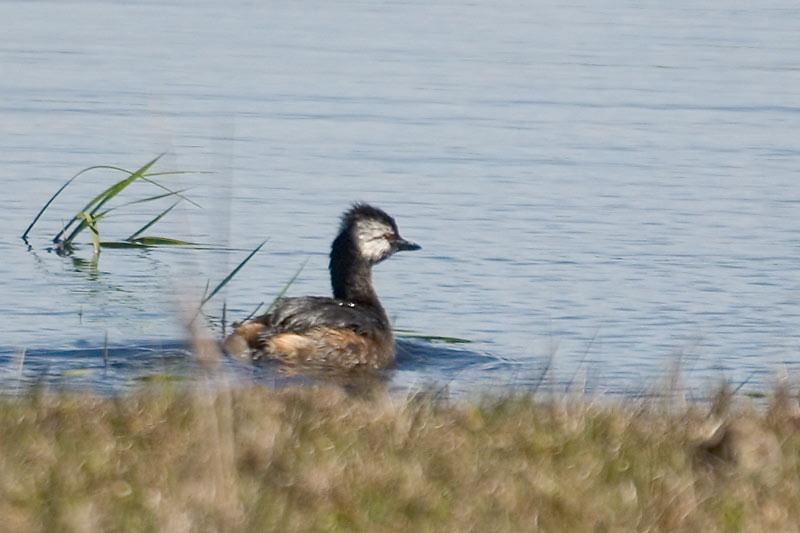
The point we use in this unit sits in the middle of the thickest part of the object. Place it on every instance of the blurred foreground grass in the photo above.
(173, 459)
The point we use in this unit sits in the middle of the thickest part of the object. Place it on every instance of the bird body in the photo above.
(350, 330)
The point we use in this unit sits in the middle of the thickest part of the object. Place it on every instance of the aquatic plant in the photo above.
(410, 334)
(208, 296)
(95, 210)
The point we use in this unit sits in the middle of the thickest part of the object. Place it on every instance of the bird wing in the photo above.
(297, 315)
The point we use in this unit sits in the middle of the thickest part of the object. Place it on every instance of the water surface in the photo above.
(601, 187)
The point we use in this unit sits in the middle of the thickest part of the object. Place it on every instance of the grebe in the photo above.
(350, 330)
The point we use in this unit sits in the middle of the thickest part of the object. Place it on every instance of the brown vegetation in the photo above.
(320, 459)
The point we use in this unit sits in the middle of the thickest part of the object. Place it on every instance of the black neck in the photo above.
(351, 275)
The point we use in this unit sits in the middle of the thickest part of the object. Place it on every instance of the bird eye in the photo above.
(391, 237)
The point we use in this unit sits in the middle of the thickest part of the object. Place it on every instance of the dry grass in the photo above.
(320, 459)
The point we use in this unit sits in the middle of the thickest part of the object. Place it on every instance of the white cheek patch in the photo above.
(375, 249)
(371, 241)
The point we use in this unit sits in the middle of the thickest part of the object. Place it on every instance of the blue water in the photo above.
(600, 188)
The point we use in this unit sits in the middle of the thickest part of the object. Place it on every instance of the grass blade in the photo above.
(58, 192)
(177, 172)
(101, 214)
(148, 177)
(205, 290)
(232, 274)
(431, 338)
(153, 221)
(114, 190)
(90, 223)
(146, 242)
(160, 241)
(176, 193)
(286, 287)
(256, 310)
(93, 206)
(146, 200)
(82, 225)
(120, 244)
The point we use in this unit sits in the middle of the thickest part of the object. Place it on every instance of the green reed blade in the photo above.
(205, 290)
(286, 286)
(253, 313)
(233, 273)
(141, 201)
(82, 225)
(144, 200)
(176, 193)
(155, 174)
(147, 176)
(59, 191)
(112, 191)
(107, 195)
(121, 244)
(153, 221)
(146, 242)
(177, 172)
(90, 223)
(160, 241)
(101, 199)
(409, 334)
